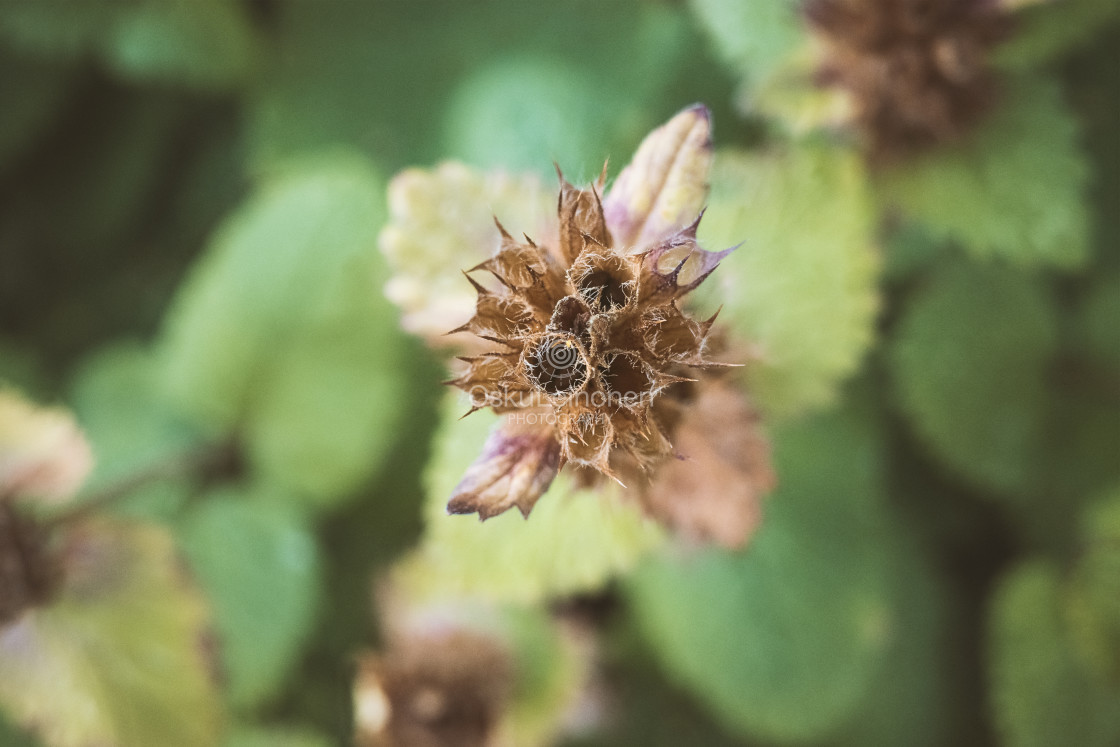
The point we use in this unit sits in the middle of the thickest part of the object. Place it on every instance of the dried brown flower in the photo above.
(29, 572)
(917, 70)
(712, 489)
(437, 690)
(588, 330)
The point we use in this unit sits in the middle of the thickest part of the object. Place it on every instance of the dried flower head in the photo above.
(587, 331)
(29, 572)
(443, 690)
(917, 70)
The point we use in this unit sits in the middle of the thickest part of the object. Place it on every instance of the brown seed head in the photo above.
(594, 361)
(438, 690)
(589, 333)
(917, 70)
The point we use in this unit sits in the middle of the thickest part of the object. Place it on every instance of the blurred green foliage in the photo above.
(1014, 191)
(823, 536)
(191, 193)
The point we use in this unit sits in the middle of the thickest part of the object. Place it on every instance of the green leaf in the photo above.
(551, 672)
(286, 736)
(801, 290)
(969, 365)
(626, 54)
(131, 428)
(293, 239)
(1094, 602)
(530, 106)
(117, 657)
(325, 53)
(259, 566)
(574, 541)
(10, 736)
(1046, 30)
(753, 38)
(282, 330)
(1015, 190)
(1041, 694)
(909, 250)
(1097, 322)
(782, 641)
(525, 113)
(909, 701)
(328, 407)
(203, 43)
(207, 43)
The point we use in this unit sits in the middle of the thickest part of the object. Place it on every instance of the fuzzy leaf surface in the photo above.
(1041, 695)
(1015, 190)
(800, 292)
(574, 541)
(311, 383)
(259, 566)
(441, 222)
(969, 363)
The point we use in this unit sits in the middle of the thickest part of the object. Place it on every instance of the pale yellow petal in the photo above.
(43, 453)
(665, 186)
(441, 221)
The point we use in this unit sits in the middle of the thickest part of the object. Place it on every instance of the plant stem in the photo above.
(197, 462)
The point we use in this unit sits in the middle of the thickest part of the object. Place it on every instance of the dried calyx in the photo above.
(917, 70)
(588, 334)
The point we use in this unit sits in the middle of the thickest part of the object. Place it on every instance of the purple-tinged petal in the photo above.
(517, 465)
(666, 183)
(677, 265)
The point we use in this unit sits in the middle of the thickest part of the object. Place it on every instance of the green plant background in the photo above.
(190, 197)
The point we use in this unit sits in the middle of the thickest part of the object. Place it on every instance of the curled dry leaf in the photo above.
(713, 488)
(518, 462)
